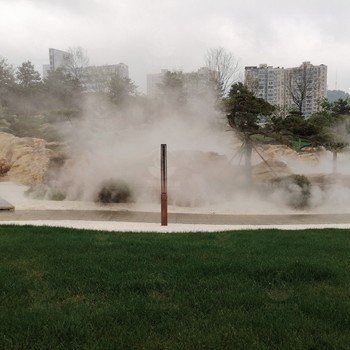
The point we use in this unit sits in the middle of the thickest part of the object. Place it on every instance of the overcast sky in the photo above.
(149, 35)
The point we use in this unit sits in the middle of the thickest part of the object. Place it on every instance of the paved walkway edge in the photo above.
(174, 218)
(119, 226)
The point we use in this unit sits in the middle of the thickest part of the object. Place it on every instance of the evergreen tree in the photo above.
(61, 89)
(244, 114)
(27, 76)
(28, 95)
(120, 89)
(333, 126)
(172, 90)
(7, 81)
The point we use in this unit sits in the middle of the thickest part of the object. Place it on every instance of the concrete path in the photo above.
(146, 217)
(174, 218)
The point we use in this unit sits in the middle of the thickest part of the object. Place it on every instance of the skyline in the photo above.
(151, 35)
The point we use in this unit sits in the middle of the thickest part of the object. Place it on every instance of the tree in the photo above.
(337, 107)
(27, 77)
(28, 99)
(333, 125)
(252, 84)
(293, 126)
(301, 84)
(172, 90)
(120, 89)
(223, 67)
(7, 81)
(79, 60)
(61, 89)
(244, 111)
(329, 128)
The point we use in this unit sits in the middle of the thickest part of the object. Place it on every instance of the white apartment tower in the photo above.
(299, 88)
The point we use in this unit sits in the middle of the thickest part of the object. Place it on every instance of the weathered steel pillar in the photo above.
(163, 185)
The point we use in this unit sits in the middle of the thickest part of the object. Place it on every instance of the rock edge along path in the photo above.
(5, 205)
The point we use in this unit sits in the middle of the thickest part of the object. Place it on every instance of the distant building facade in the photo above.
(57, 59)
(196, 84)
(93, 78)
(46, 70)
(153, 82)
(97, 78)
(300, 88)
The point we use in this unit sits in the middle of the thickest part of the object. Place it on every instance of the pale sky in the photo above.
(149, 35)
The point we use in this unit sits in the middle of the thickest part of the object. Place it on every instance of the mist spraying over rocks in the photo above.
(119, 150)
(112, 155)
(125, 145)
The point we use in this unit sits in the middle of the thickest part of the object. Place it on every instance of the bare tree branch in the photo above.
(79, 60)
(301, 84)
(224, 67)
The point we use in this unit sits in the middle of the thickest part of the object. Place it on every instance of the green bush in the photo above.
(55, 195)
(296, 188)
(114, 191)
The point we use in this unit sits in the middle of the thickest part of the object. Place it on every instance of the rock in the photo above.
(275, 151)
(269, 170)
(282, 152)
(23, 160)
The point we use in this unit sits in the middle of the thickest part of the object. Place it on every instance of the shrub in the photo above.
(56, 195)
(114, 191)
(296, 188)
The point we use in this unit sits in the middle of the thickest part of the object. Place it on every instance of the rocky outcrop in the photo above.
(24, 160)
(270, 169)
(282, 151)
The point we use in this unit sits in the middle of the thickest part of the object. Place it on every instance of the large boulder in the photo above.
(24, 160)
(270, 169)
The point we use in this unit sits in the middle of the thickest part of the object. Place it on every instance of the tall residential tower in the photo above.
(58, 59)
(300, 88)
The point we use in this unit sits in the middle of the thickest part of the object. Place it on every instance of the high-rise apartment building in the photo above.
(300, 88)
(57, 59)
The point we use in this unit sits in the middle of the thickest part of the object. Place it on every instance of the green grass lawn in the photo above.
(267, 289)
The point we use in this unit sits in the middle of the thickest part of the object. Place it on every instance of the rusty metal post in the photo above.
(163, 185)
